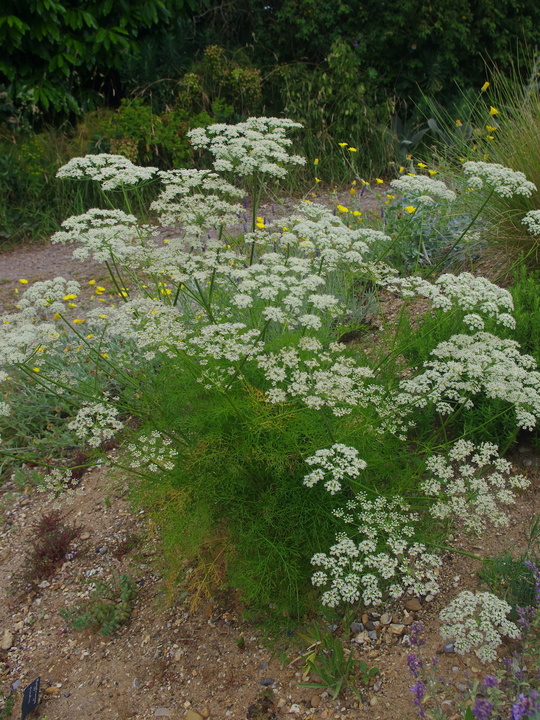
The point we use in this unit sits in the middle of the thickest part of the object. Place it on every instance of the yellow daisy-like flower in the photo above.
(364, 182)
(316, 161)
(401, 169)
(35, 369)
(342, 208)
(410, 209)
(390, 197)
(484, 86)
(432, 172)
(356, 213)
(491, 128)
(72, 304)
(56, 316)
(23, 281)
(422, 165)
(91, 282)
(409, 157)
(459, 123)
(493, 110)
(69, 297)
(490, 137)
(90, 336)
(411, 174)
(318, 179)
(352, 191)
(103, 317)
(104, 355)
(77, 321)
(165, 240)
(343, 144)
(379, 181)
(165, 291)
(351, 149)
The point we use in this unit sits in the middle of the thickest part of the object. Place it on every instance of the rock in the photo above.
(430, 598)
(267, 682)
(377, 686)
(373, 701)
(361, 638)
(162, 712)
(205, 712)
(413, 605)
(448, 648)
(315, 701)
(136, 683)
(369, 625)
(396, 628)
(408, 619)
(192, 715)
(295, 709)
(15, 685)
(52, 690)
(386, 619)
(7, 640)
(356, 627)
(85, 536)
(372, 635)
(18, 626)
(44, 584)
(365, 619)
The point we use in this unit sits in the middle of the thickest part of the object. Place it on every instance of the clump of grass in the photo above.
(109, 607)
(52, 539)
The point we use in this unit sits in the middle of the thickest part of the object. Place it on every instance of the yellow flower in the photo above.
(422, 165)
(69, 297)
(352, 191)
(390, 197)
(343, 144)
(317, 179)
(285, 229)
(356, 213)
(432, 172)
(490, 128)
(379, 181)
(316, 161)
(410, 209)
(364, 182)
(90, 336)
(484, 86)
(165, 291)
(490, 137)
(165, 240)
(409, 157)
(35, 369)
(351, 149)
(493, 111)
(459, 123)
(99, 290)
(103, 317)
(78, 320)
(72, 304)
(23, 281)
(342, 208)
(104, 355)
(91, 282)
(401, 169)
(411, 174)
(56, 316)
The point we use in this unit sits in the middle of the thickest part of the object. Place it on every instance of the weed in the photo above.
(337, 667)
(51, 542)
(6, 705)
(109, 607)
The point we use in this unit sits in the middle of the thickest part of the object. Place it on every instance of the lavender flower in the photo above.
(419, 691)
(490, 681)
(525, 706)
(536, 572)
(482, 709)
(414, 663)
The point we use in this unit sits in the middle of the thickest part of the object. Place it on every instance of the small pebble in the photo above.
(267, 682)
(448, 648)
(295, 709)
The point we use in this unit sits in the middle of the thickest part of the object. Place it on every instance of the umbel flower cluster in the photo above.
(240, 308)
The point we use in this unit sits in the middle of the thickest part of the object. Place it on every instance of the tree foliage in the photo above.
(57, 53)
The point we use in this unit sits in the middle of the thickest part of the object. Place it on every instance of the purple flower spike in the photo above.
(490, 681)
(419, 691)
(482, 709)
(414, 663)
